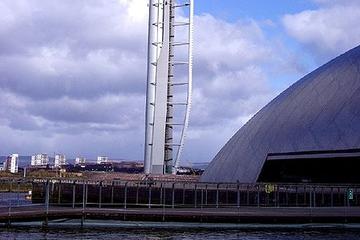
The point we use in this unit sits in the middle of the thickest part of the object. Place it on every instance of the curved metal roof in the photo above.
(321, 111)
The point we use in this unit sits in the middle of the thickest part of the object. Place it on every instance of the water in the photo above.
(13, 199)
(149, 234)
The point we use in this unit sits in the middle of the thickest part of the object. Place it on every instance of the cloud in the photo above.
(73, 78)
(229, 75)
(328, 31)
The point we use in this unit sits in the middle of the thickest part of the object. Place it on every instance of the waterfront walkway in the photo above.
(228, 215)
(166, 201)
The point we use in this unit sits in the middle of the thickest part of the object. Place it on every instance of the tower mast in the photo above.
(160, 133)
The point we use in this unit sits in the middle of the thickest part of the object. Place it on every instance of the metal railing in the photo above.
(150, 194)
(79, 198)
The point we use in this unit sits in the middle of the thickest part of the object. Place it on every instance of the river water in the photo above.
(152, 234)
(176, 231)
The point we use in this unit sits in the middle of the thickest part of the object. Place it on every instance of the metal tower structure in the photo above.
(162, 148)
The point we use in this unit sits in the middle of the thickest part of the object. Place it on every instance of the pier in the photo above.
(181, 201)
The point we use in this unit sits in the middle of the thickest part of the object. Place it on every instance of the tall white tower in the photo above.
(167, 37)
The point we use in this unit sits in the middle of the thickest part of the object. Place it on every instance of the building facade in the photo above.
(41, 159)
(80, 161)
(102, 160)
(60, 160)
(11, 163)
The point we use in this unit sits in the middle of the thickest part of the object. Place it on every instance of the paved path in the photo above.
(246, 214)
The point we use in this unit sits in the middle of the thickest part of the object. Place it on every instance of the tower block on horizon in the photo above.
(169, 83)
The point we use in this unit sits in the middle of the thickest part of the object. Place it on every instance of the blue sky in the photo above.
(73, 73)
(233, 10)
(269, 14)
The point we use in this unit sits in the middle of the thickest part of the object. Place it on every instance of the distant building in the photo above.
(128, 167)
(102, 159)
(11, 163)
(60, 160)
(40, 160)
(80, 161)
(103, 167)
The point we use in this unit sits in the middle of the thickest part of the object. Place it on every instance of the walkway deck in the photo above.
(223, 215)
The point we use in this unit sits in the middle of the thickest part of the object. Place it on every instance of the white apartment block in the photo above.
(40, 160)
(11, 163)
(60, 160)
(80, 161)
(102, 159)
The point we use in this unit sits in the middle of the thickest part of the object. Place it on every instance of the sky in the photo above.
(73, 73)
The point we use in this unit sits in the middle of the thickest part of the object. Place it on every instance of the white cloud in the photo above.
(72, 78)
(328, 31)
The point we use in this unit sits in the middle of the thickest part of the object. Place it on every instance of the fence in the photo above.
(150, 194)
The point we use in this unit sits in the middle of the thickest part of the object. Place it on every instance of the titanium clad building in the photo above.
(309, 133)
